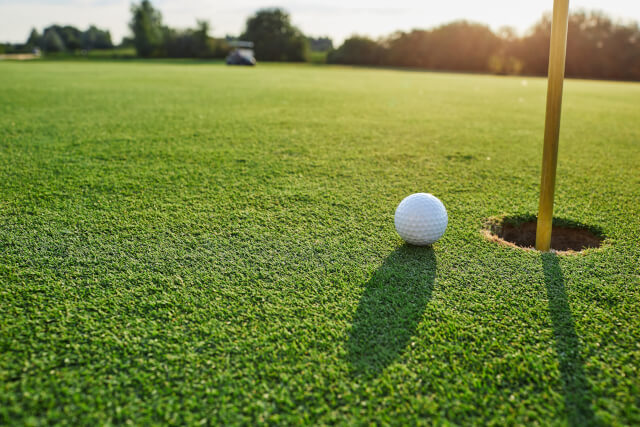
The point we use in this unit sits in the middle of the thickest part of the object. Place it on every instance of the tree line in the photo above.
(271, 31)
(56, 38)
(597, 47)
(151, 38)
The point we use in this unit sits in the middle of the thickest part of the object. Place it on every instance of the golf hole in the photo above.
(520, 232)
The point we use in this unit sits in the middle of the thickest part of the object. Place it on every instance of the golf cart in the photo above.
(242, 54)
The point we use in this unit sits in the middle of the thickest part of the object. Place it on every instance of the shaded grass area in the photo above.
(187, 243)
(390, 309)
(576, 387)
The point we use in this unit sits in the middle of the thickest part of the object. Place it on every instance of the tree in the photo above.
(190, 43)
(71, 36)
(505, 60)
(35, 39)
(51, 41)
(461, 46)
(274, 37)
(409, 49)
(146, 25)
(358, 50)
(127, 42)
(94, 38)
(202, 48)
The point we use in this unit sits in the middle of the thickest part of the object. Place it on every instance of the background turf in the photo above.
(188, 243)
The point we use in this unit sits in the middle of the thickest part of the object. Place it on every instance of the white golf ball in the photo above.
(421, 219)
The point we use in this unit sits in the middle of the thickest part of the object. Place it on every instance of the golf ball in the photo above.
(421, 219)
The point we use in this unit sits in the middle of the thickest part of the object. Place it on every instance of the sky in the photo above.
(337, 19)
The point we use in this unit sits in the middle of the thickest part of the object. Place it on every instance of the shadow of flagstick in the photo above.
(576, 388)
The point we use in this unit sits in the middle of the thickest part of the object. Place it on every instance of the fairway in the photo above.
(185, 242)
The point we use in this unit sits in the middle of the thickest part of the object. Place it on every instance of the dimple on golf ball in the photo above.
(421, 219)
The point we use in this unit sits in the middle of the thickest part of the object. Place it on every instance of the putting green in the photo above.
(184, 242)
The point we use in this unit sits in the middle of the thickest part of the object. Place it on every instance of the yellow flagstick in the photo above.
(557, 57)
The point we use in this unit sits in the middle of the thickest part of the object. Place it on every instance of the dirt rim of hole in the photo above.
(567, 237)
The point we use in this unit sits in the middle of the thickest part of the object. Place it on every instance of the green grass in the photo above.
(186, 243)
(117, 53)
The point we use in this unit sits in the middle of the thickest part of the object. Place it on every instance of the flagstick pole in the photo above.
(557, 56)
